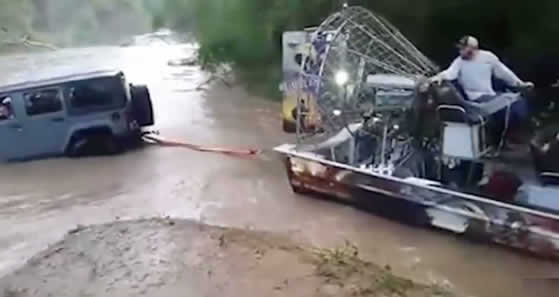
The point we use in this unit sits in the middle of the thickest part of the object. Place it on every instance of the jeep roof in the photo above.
(55, 80)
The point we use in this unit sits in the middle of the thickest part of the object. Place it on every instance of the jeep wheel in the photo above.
(142, 106)
(93, 144)
(76, 146)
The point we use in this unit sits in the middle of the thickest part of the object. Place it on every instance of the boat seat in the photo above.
(455, 105)
(464, 132)
(464, 135)
(458, 114)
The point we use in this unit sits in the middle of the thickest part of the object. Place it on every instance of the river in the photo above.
(41, 200)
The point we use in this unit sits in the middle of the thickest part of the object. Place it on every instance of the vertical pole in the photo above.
(298, 118)
(384, 139)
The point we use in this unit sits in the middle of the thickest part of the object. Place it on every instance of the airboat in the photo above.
(372, 132)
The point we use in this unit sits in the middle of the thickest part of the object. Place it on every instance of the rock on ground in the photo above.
(163, 257)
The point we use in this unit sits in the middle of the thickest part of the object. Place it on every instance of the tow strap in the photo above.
(155, 139)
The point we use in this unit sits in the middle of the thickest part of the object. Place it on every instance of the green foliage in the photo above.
(247, 33)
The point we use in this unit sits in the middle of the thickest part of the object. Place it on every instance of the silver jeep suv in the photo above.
(71, 115)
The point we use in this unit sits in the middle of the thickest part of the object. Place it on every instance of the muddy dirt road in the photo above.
(168, 257)
(41, 200)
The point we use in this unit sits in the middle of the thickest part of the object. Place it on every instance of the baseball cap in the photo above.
(468, 41)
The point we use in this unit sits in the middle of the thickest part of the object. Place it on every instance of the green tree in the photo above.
(247, 32)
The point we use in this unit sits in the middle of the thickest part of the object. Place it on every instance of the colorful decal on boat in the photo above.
(424, 202)
(302, 59)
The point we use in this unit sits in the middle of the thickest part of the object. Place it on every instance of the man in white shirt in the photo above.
(474, 70)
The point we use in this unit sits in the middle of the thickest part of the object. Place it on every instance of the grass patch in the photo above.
(344, 268)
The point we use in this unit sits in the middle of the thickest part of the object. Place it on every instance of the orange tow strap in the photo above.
(226, 151)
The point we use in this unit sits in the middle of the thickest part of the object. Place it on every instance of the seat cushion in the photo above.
(459, 115)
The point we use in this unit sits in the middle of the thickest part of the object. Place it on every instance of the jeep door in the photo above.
(46, 129)
(12, 135)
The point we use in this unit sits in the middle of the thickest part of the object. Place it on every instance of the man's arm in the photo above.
(504, 73)
(451, 73)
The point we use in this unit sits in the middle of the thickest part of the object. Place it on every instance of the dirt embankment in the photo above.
(181, 258)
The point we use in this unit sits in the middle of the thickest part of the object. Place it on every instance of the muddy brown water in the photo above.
(41, 200)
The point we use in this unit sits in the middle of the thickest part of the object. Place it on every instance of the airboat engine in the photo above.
(363, 78)
(386, 123)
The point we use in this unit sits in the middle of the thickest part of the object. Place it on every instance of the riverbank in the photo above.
(165, 257)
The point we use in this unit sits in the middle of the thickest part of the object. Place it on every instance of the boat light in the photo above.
(341, 77)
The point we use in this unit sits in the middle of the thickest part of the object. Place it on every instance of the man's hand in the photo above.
(526, 85)
(436, 80)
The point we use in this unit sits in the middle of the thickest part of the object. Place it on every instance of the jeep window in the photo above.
(43, 102)
(97, 95)
(6, 109)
